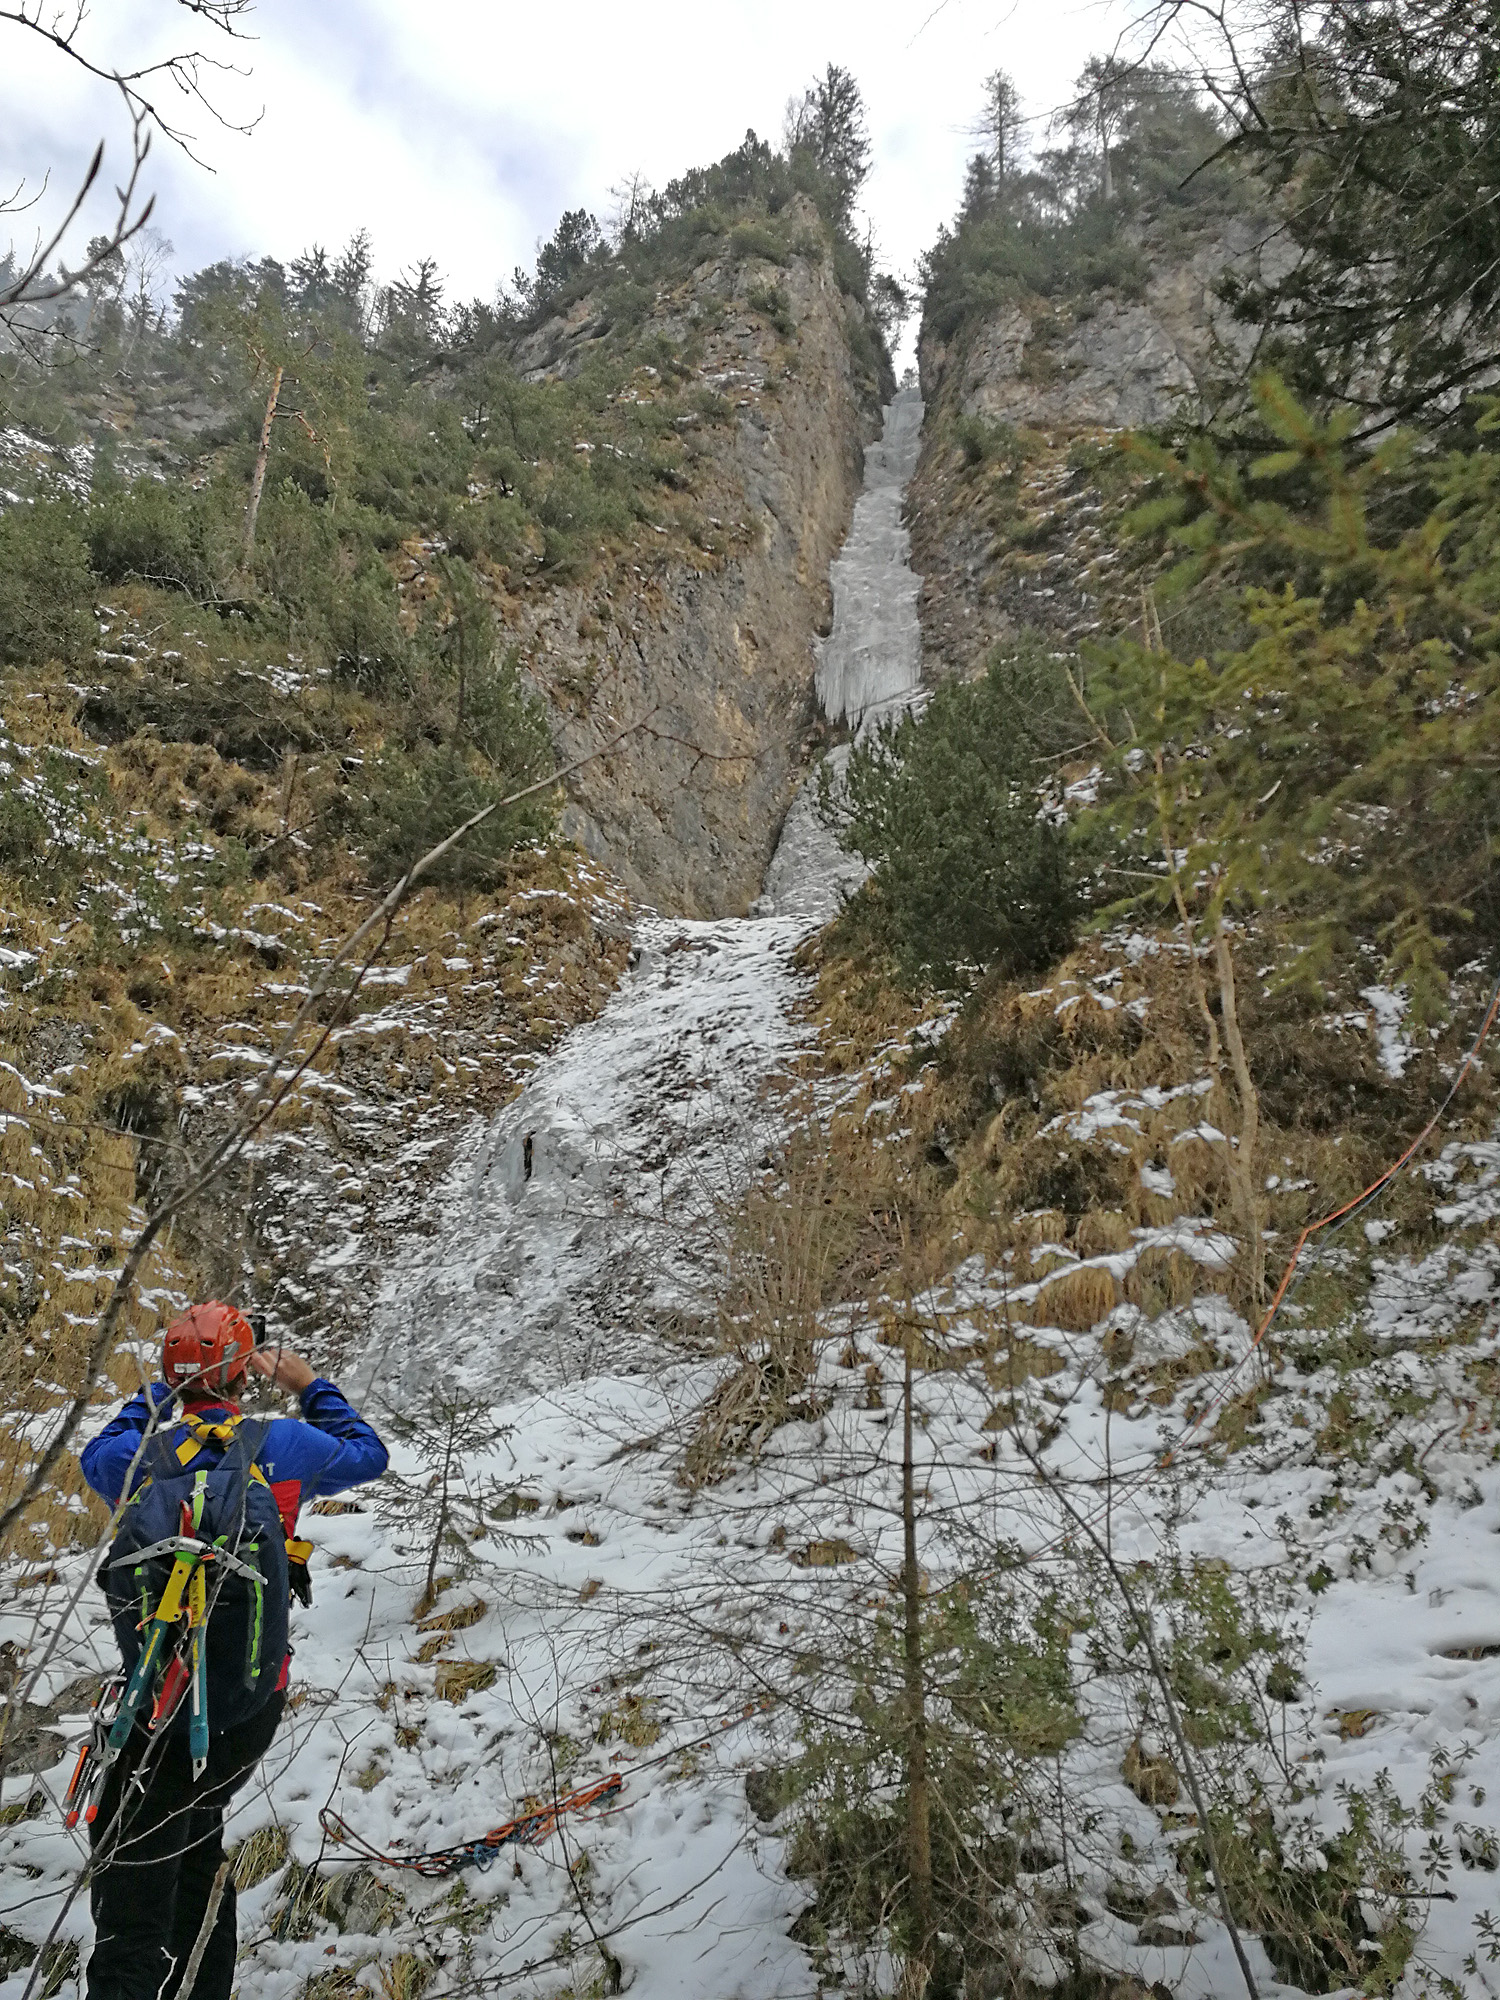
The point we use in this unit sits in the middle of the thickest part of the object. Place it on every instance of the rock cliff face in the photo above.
(712, 644)
(1110, 361)
(1010, 531)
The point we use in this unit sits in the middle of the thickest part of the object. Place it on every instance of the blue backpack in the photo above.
(209, 1488)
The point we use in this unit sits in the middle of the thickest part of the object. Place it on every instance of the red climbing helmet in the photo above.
(207, 1348)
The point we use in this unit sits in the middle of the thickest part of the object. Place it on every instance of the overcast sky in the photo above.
(461, 129)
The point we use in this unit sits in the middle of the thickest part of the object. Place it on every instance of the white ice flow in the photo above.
(871, 660)
(640, 1124)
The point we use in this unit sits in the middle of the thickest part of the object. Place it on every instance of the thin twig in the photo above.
(205, 1931)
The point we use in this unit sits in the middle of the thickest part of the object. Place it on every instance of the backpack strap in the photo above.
(200, 1434)
(227, 1435)
(244, 1441)
(239, 1442)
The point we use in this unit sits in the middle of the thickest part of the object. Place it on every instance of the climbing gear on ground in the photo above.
(527, 1829)
(208, 1347)
(197, 1580)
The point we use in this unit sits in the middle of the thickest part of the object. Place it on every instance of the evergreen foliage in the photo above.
(743, 202)
(827, 127)
(1136, 143)
(972, 869)
(1378, 129)
(1336, 766)
(999, 1697)
(361, 432)
(45, 586)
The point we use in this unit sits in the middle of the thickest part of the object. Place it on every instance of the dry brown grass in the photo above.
(456, 1680)
(1012, 1357)
(987, 1162)
(1154, 1780)
(633, 1720)
(1024, 1058)
(407, 1977)
(1102, 1233)
(1076, 1300)
(1162, 1277)
(1042, 1225)
(259, 1856)
(459, 1619)
(824, 1222)
(825, 1554)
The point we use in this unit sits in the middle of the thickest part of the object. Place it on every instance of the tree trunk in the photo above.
(429, 1591)
(1243, 1165)
(918, 1804)
(258, 477)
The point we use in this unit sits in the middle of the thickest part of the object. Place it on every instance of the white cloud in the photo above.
(461, 129)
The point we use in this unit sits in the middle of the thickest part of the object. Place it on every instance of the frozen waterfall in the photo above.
(572, 1254)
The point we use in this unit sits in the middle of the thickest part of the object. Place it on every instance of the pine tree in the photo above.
(1378, 129)
(1337, 768)
(827, 125)
(352, 275)
(1000, 124)
(971, 871)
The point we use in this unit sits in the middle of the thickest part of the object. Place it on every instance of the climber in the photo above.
(157, 1856)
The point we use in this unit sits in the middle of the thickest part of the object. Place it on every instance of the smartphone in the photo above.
(258, 1328)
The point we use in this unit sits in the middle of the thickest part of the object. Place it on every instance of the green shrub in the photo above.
(417, 800)
(772, 301)
(493, 740)
(851, 267)
(154, 533)
(1000, 1712)
(296, 551)
(1330, 759)
(982, 442)
(23, 832)
(997, 257)
(45, 585)
(754, 239)
(970, 872)
(363, 625)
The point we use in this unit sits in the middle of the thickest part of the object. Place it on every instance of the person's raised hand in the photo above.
(287, 1370)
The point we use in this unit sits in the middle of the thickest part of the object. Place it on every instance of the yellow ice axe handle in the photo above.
(184, 1569)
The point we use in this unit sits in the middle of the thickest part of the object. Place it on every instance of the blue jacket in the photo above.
(331, 1448)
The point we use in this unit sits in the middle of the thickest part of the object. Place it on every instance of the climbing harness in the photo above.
(527, 1829)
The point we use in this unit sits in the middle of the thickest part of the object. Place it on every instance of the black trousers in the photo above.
(155, 1869)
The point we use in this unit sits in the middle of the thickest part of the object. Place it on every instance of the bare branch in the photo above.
(60, 28)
